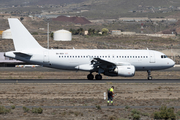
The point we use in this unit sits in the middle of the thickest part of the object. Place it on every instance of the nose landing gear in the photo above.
(149, 75)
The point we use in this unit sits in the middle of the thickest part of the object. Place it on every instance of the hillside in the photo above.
(120, 8)
(97, 9)
(39, 2)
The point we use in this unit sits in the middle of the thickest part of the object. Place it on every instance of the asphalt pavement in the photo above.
(79, 80)
(89, 81)
(44, 69)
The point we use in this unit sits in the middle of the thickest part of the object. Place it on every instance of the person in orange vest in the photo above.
(110, 95)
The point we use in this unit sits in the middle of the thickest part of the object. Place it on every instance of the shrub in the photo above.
(165, 113)
(135, 114)
(98, 107)
(13, 107)
(178, 113)
(127, 107)
(145, 114)
(25, 109)
(134, 111)
(112, 118)
(136, 117)
(37, 110)
(3, 110)
(34, 33)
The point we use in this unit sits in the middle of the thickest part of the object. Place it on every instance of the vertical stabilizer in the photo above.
(22, 39)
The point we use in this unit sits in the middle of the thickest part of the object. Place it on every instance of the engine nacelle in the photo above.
(125, 71)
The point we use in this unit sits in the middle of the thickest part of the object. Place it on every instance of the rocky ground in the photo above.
(85, 100)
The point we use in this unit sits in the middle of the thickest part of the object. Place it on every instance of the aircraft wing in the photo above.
(100, 65)
(105, 62)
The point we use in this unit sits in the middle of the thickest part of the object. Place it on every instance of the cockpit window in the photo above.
(163, 56)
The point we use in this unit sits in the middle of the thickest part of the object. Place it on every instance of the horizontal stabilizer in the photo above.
(22, 54)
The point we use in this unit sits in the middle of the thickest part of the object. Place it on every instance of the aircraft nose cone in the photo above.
(171, 63)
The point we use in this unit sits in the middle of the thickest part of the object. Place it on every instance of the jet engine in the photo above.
(125, 71)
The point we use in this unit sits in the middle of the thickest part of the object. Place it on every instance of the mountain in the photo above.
(39, 2)
(97, 9)
(76, 20)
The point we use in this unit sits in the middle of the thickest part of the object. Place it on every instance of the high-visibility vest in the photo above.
(111, 89)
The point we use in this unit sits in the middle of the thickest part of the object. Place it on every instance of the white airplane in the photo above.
(108, 62)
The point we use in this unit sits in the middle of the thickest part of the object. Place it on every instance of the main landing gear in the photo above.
(98, 77)
(149, 75)
(91, 77)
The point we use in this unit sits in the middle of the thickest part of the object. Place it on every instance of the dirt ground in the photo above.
(88, 98)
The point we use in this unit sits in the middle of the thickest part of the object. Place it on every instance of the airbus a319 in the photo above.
(109, 62)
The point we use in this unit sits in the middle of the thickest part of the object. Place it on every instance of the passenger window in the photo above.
(162, 56)
(146, 56)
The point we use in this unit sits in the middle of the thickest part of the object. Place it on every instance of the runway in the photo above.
(89, 81)
(45, 69)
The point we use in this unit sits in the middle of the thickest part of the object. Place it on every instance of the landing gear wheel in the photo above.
(90, 77)
(149, 77)
(98, 77)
